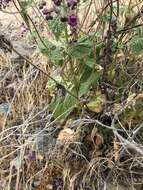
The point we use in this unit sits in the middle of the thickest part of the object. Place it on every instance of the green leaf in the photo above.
(92, 80)
(105, 17)
(81, 49)
(42, 48)
(99, 47)
(96, 104)
(62, 107)
(57, 27)
(56, 107)
(84, 76)
(26, 4)
(53, 52)
(137, 45)
(90, 62)
(55, 56)
(52, 85)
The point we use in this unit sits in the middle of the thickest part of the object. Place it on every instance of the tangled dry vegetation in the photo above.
(97, 147)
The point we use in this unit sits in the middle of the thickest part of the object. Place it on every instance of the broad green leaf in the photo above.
(85, 73)
(56, 107)
(96, 104)
(62, 107)
(105, 17)
(51, 85)
(81, 49)
(53, 52)
(90, 62)
(92, 80)
(137, 45)
(99, 47)
(57, 27)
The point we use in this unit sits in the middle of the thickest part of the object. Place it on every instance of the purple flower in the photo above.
(31, 156)
(72, 3)
(7, 1)
(57, 2)
(72, 20)
(23, 28)
(57, 183)
(45, 11)
(4, 3)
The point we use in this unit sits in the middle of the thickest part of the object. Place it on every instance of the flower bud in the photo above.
(71, 3)
(72, 20)
(49, 17)
(57, 2)
(63, 19)
(45, 11)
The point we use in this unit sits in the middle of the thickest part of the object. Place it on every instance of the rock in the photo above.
(4, 108)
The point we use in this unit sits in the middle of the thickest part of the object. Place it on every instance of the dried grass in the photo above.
(25, 90)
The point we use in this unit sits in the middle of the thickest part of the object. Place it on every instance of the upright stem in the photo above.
(66, 34)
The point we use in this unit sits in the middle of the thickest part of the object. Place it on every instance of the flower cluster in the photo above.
(31, 156)
(72, 20)
(23, 28)
(47, 13)
(71, 5)
(4, 3)
(57, 2)
(69, 16)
